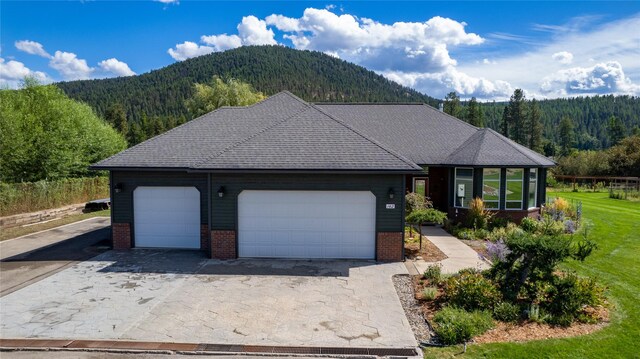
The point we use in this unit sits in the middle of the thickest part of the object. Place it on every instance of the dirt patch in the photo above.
(429, 252)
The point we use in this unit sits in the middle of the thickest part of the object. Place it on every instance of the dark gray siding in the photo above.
(224, 210)
(122, 203)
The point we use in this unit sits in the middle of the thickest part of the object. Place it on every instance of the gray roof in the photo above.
(279, 133)
(285, 133)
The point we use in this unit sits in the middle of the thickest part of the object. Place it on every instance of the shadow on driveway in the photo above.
(196, 262)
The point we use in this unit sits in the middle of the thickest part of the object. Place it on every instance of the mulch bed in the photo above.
(510, 332)
(429, 252)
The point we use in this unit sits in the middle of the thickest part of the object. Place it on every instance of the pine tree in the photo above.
(567, 136)
(535, 127)
(504, 122)
(615, 130)
(517, 117)
(474, 113)
(452, 105)
(117, 117)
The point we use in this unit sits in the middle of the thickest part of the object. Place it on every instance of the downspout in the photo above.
(402, 209)
(111, 206)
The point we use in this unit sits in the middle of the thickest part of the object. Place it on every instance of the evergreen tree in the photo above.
(535, 127)
(615, 130)
(474, 113)
(504, 122)
(567, 136)
(517, 117)
(117, 117)
(452, 105)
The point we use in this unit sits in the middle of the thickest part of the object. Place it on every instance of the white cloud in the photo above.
(168, 1)
(32, 47)
(440, 83)
(116, 67)
(188, 50)
(254, 31)
(603, 78)
(12, 72)
(222, 42)
(406, 46)
(563, 57)
(70, 66)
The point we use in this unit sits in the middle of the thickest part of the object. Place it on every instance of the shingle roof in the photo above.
(279, 133)
(428, 136)
(285, 133)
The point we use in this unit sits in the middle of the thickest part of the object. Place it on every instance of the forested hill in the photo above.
(589, 115)
(313, 76)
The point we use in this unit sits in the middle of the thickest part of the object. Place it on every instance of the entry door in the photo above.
(166, 217)
(306, 224)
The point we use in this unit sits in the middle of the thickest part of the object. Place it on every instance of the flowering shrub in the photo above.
(497, 251)
(570, 226)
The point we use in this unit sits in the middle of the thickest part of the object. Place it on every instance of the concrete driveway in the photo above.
(181, 296)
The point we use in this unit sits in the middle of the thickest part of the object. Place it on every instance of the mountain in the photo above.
(311, 75)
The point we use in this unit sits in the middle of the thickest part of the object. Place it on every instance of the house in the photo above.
(289, 179)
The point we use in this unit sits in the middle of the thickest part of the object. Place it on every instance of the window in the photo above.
(420, 186)
(463, 190)
(533, 187)
(491, 188)
(514, 188)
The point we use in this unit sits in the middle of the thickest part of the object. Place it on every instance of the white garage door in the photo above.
(167, 217)
(306, 224)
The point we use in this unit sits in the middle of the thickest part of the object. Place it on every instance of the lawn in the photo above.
(616, 263)
(21, 231)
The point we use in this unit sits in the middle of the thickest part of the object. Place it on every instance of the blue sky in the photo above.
(482, 49)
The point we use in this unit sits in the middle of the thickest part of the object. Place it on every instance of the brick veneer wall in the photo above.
(389, 247)
(121, 235)
(223, 244)
(204, 238)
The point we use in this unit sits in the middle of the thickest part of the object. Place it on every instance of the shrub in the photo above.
(433, 274)
(429, 293)
(429, 215)
(454, 325)
(466, 233)
(529, 224)
(478, 216)
(481, 233)
(498, 222)
(471, 291)
(497, 251)
(506, 312)
(535, 314)
(570, 226)
(550, 226)
(570, 295)
(415, 202)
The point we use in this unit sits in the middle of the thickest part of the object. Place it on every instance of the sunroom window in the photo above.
(514, 188)
(533, 187)
(491, 187)
(463, 191)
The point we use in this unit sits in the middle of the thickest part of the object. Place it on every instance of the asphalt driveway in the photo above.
(181, 296)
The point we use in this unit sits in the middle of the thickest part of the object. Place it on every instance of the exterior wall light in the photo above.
(221, 192)
(391, 193)
(118, 187)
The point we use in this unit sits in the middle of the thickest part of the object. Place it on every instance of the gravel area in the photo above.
(419, 325)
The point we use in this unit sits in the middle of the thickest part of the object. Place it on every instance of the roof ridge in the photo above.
(448, 115)
(367, 103)
(374, 141)
(464, 144)
(517, 146)
(155, 138)
(249, 138)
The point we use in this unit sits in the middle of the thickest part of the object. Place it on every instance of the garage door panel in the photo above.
(306, 224)
(167, 217)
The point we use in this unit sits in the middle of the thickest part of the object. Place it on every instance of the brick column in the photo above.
(204, 238)
(121, 235)
(223, 244)
(389, 247)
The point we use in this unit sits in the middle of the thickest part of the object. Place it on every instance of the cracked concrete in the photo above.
(181, 296)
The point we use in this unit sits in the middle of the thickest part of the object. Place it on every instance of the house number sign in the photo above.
(391, 206)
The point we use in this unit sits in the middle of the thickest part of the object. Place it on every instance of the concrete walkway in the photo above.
(459, 255)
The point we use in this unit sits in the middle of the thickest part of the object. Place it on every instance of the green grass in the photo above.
(616, 264)
(10, 233)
